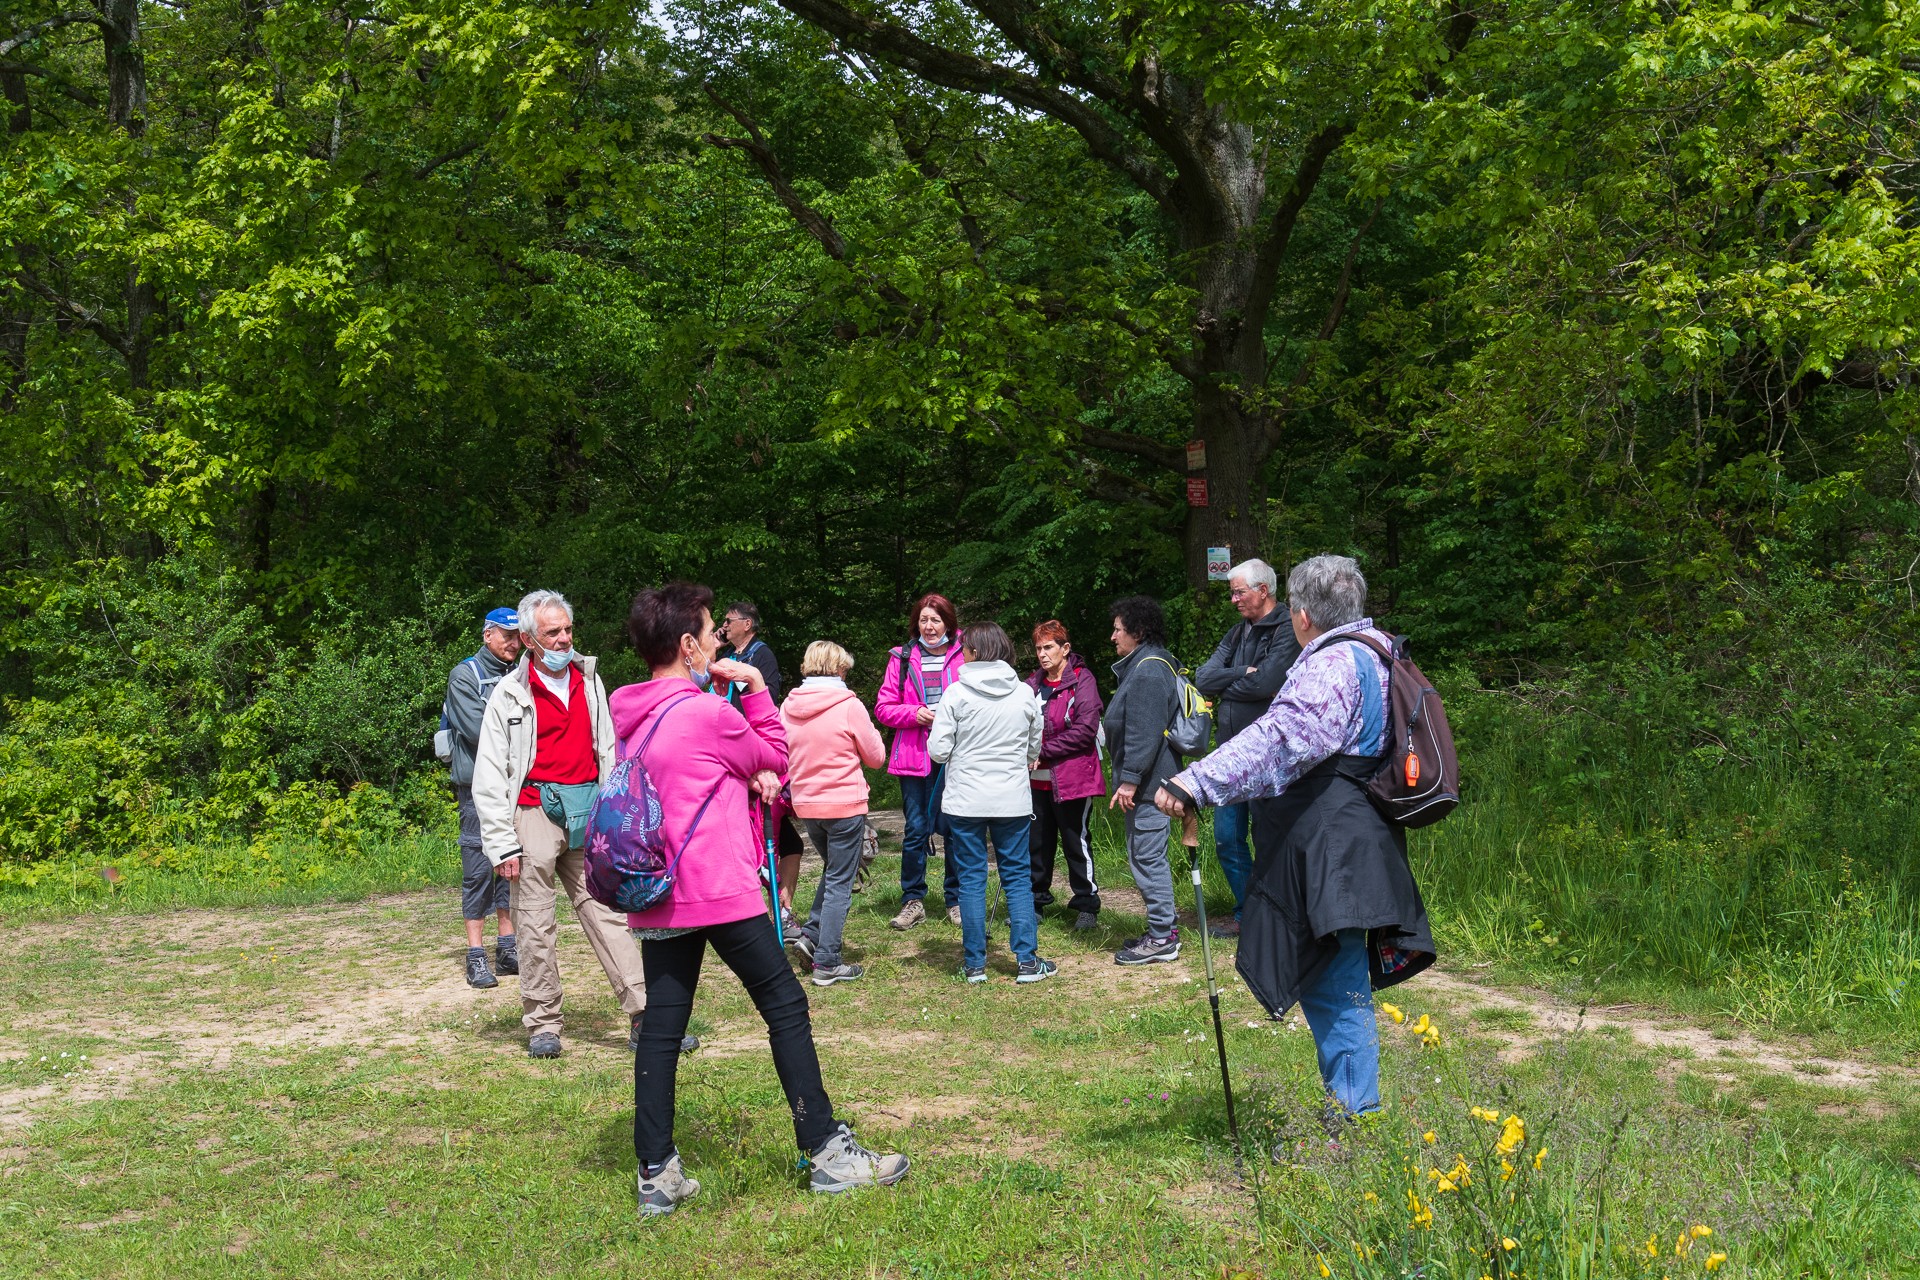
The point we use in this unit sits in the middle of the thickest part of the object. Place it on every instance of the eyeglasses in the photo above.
(1241, 593)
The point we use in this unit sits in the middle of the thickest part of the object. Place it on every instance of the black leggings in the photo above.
(749, 948)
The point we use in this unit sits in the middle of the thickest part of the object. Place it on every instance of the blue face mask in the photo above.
(555, 661)
(702, 680)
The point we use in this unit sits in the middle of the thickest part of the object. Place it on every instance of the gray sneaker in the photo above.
(825, 975)
(506, 956)
(1036, 970)
(544, 1045)
(803, 944)
(841, 1164)
(665, 1188)
(478, 975)
(911, 914)
(1149, 950)
(687, 1043)
(953, 914)
(1086, 921)
(977, 975)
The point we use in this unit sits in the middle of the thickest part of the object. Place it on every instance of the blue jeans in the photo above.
(920, 798)
(1230, 823)
(967, 846)
(1338, 1004)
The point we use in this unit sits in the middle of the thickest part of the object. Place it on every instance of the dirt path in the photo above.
(154, 998)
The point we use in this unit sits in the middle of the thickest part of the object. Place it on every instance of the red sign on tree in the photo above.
(1197, 491)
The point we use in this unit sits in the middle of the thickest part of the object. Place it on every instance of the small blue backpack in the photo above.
(626, 842)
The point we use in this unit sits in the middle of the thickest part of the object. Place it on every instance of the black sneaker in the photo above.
(1086, 921)
(506, 956)
(478, 975)
(803, 944)
(1036, 970)
(976, 975)
(544, 1045)
(1149, 950)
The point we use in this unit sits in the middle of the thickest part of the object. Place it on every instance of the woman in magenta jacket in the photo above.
(708, 761)
(918, 672)
(1069, 775)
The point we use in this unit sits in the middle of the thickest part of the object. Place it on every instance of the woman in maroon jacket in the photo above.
(1069, 775)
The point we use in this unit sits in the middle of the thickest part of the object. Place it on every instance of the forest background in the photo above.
(1586, 327)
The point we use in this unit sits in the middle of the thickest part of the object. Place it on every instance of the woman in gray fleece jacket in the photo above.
(1136, 726)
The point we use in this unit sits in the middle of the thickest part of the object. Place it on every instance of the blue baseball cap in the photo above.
(505, 619)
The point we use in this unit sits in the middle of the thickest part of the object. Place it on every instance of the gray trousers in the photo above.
(1148, 830)
(481, 890)
(837, 841)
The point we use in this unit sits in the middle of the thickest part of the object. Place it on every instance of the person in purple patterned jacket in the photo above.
(1333, 913)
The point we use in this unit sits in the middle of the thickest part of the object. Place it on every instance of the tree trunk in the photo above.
(126, 65)
(13, 85)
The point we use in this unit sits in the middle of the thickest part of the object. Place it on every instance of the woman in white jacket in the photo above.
(986, 731)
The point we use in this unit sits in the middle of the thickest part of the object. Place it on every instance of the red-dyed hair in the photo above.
(939, 604)
(1052, 629)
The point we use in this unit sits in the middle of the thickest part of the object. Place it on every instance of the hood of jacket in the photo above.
(811, 701)
(1036, 678)
(631, 704)
(989, 679)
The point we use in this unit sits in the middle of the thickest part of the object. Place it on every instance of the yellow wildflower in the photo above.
(1428, 1137)
(1512, 1134)
(1714, 1260)
(1392, 1011)
(1506, 1170)
(1431, 1038)
(1539, 1157)
(1324, 1269)
(1509, 1243)
(1653, 1246)
(1681, 1245)
(1423, 1026)
(1422, 1215)
(1483, 1113)
(1701, 1232)
(1371, 1198)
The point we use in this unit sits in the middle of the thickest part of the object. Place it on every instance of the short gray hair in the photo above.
(1330, 590)
(1256, 573)
(533, 602)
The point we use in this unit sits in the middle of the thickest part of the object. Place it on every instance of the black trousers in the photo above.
(749, 948)
(1057, 823)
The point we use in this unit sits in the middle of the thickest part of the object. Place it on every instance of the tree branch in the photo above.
(59, 82)
(38, 29)
(460, 152)
(1161, 455)
(1336, 311)
(952, 69)
(755, 146)
(1273, 249)
(89, 320)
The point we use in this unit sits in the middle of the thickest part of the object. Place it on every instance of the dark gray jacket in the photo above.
(1240, 697)
(1137, 720)
(469, 685)
(760, 655)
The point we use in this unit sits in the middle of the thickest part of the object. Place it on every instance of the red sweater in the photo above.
(563, 749)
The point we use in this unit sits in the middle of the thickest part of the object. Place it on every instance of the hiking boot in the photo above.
(506, 956)
(974, 974)
(803, 944)
(478, 975)
(911, 914)
(825, 975)
(689, 1042)
(1228, 928)
(1036, 970)
(1086, 921)
(544, 1045)
(1149, 950)
(953, 914)
(841, 1164)
(664, 1186)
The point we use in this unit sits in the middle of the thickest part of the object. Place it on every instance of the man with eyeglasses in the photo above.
(741, 630)
(1242, 677)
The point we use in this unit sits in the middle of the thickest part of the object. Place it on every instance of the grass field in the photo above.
(304, 1086)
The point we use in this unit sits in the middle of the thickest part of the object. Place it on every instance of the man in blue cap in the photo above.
(469, 685)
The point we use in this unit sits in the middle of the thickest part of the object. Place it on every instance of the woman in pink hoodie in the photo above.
(829, 736)
(917, 674)
(707, 760)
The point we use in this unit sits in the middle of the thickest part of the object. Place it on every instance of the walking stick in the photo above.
(773, 877)
(1190, 837)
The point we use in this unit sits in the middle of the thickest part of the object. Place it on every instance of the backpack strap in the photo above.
(654, 728)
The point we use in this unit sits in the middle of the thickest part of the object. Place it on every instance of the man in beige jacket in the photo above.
(546, 728)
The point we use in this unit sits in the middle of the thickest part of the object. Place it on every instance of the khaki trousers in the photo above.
(544, 857)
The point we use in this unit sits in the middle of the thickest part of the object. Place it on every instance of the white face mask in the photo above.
(556, 660)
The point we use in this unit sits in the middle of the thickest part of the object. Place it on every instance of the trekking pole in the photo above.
(773, 878)
(1190, 837)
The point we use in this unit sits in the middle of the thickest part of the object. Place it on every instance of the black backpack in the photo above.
(1419, 780)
